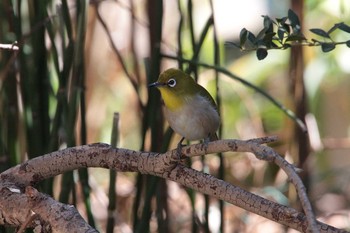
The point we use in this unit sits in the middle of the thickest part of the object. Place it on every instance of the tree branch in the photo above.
(166, 166)
(13, 46)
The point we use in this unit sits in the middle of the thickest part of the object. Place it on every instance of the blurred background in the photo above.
(79, 62)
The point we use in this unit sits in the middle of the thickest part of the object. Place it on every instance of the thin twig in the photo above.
(133, 81)
(13, 46)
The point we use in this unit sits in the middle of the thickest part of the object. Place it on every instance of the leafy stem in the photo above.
(283, 33)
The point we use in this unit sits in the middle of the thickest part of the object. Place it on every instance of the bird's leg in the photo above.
(211, 137)
(206, 142)
(179, 147)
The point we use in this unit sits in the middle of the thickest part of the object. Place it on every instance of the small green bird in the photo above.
(189, 108)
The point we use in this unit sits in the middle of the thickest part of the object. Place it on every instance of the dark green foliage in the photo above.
(341, 26)
(328, 44)
(283, 33)
(294, 20)
(348, 43)
(275, 34)
(320, 32)
(327, 47)
(261, 53)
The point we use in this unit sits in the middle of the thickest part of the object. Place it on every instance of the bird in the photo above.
(188, 107)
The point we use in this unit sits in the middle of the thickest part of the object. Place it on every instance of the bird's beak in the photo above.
(155, 84)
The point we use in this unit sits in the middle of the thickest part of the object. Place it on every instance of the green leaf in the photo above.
(274, 45)
(293, 18)
(344, 27)
(283, 31)
(243, 36)
(269, 37)
(286, 27)
(295, 37)
(320, 32)
(281, 20)
(327, 47)
(348, 43)
(280, 33)
(261, 53)
(251, 37)
(261, 34)
(268, 24)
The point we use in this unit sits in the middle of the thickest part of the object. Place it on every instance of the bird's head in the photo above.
(175, 86)
(175, 81)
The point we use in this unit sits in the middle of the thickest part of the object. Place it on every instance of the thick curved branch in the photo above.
(24, 207)
(166, 165)
(53, 212)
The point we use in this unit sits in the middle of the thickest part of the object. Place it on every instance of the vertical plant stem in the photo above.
(112, 194)
(221, 172)
(198, 46)
(35, 82)
(9, 120)
(296, 71)
(79, 59)
(191, 68)
(135, 61)
(179, 35)
(155, 14)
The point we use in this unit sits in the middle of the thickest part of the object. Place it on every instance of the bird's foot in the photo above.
(211, 137)
(179, 149)
(205, 144)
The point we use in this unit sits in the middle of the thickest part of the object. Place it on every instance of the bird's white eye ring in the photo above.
(171, 82)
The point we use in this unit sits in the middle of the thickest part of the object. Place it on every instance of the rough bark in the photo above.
(18, 198)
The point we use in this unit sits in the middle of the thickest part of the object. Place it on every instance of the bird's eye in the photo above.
(171, 82)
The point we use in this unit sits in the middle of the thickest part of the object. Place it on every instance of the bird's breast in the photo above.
(195, 119)
(171, 100)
